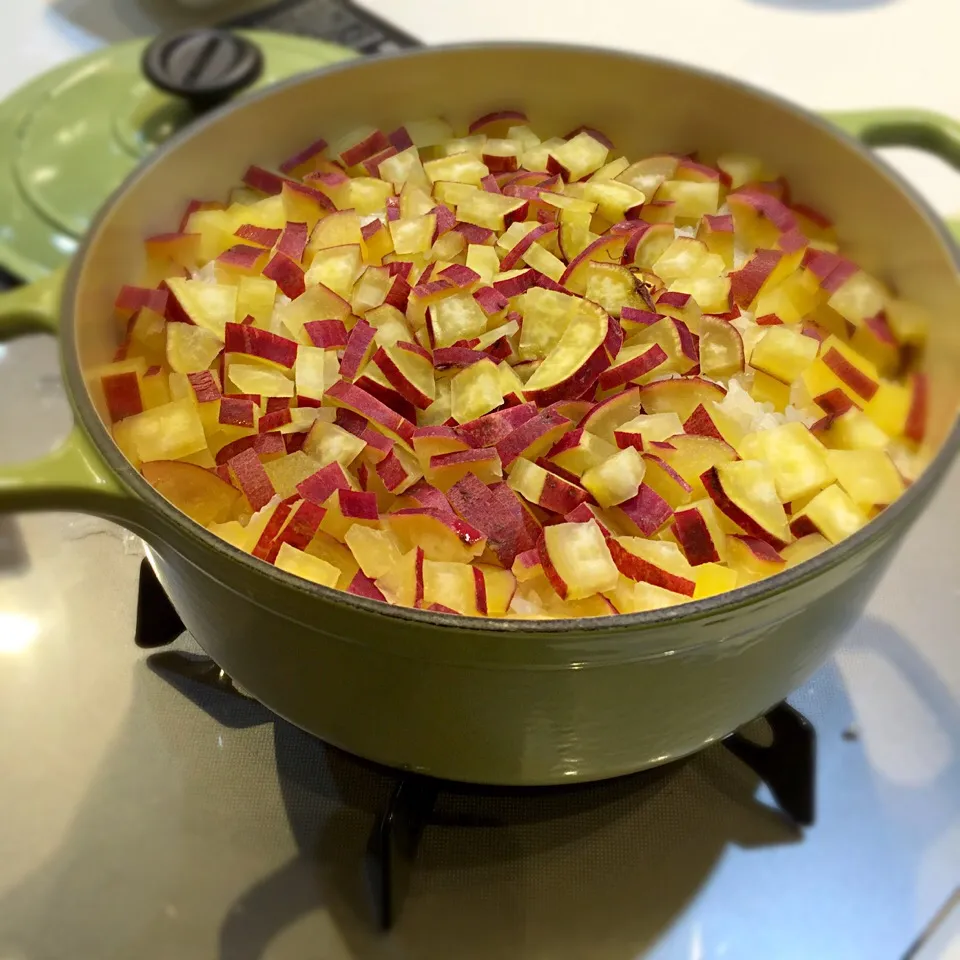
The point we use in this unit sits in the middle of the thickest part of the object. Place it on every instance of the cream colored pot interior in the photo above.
(644, 106)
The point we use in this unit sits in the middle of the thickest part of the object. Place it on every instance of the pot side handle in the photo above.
(72, 477)
(906, 127)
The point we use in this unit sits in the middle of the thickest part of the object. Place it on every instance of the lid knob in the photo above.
(204, 66)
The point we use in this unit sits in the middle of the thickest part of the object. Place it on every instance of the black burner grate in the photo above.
(787, 764)
(158, 624)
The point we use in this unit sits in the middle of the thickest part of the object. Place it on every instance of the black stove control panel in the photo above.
(336, 21)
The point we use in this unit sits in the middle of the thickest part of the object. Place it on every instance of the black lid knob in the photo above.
(204, 66)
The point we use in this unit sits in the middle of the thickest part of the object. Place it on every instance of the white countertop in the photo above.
(822, 53)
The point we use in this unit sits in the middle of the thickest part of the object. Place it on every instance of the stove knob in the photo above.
(204, 66)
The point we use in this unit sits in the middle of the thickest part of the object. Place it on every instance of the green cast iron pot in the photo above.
(504, 702)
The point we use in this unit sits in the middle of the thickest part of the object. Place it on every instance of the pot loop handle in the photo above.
(74, 476)
(906, 127)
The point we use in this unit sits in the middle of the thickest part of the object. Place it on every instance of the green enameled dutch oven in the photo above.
(505, 702)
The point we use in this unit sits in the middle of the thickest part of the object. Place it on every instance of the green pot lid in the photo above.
(68, 138)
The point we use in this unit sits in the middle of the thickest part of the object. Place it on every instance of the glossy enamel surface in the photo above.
(506, 702)
(70, 136)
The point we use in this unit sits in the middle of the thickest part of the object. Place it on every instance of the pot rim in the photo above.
(688, 612)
